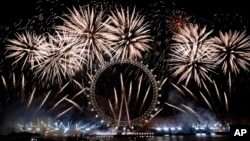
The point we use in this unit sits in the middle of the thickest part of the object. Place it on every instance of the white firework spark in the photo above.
(232, 51)
(190, 55)
(27, 49)
(88, 23)
(63, 60)
(129, 33)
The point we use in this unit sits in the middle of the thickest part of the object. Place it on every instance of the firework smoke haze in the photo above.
(190, 56)
(129, 33)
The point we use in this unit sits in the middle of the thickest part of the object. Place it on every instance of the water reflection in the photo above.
(168, 138)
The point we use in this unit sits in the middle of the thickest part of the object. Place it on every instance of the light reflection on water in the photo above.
(168, 138)
(125, 138)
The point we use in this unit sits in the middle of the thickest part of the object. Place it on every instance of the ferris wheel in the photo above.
(124, 94)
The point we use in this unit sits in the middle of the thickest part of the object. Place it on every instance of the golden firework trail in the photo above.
(229, 82)
(190, 92)
(112, 109)
(191, 110)
(77, 94)
(205, 86)
(63, 112)
(14, 81)
(123, 102)
(120, 112)
(173, 106)
(23, 84)
(139, 88)
(116, 98)
(176, 87)
(56, 104)
(4, 83)
(163, 82)
(44, 100)
(74, 103)
(127, 110)
(145, 97)
(154, 115)
(226, 102)
(123, 91)
(31, 98)
(207, 102)
(78, 84)
(217, 91)
(90, 77)
(130, 92)
(63, 87)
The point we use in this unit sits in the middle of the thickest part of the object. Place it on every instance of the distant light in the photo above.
(212, 134)
(179, 128)
(172, 128)
(166, 128)
(158, 128)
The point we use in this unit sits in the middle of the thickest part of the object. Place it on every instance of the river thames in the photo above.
(153, 138)
(191, 137)
(170, 138)
(125, 138)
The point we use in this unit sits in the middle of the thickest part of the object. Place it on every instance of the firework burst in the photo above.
(177, 19)
(190, 55)
(232, 51)
(63, 59)
(27, 49)
(129, 33)
(88, 23)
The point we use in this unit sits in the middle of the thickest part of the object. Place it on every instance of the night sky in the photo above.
(13, 10)
(229, 12)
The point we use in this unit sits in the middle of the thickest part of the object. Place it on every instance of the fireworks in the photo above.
(206, 98)
(176, 20)
(129, 33)
(26, 50)
(190, 56)
(63, 59)
(88, 23)
(13, 87)
(232, 51)
(34, 101)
